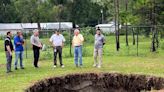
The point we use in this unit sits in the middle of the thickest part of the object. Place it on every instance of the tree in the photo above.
(126, 5)
(84, 12)
(8, 13)
(116, 4)
(32, 11)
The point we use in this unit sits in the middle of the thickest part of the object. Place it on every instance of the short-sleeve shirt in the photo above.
(35, 41)
(57, 40)
(8, 42)
(18, 47)
(99, 40)
(78, 40)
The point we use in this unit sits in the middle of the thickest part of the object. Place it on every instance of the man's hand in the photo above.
(18, 43)
(40, 46)
(53, 46)
(10, 53)
(62, 45)
(72, 45)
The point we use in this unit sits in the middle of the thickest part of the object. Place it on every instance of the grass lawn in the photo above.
(125, 62)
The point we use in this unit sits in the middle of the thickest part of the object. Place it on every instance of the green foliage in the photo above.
(125, 61)
(162, 45)
(81, 12)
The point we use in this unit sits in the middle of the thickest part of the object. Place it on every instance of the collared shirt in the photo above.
(8, 42)
(99, 40)
(78, 40)
(35, 42)
(18, 47)
(57, 40)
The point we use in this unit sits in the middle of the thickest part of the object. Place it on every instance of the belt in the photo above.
(58, 46)
(78, 46)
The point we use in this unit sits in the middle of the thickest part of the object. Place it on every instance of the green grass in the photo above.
(125, 61)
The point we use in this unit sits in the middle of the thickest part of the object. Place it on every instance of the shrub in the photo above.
(162, 45)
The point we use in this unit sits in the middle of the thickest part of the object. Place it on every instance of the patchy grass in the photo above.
(125, 61)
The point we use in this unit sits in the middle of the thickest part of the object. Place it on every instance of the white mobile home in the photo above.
(107, 28)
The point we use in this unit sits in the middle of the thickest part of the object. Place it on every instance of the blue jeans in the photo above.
(78, 54)
(19, 55)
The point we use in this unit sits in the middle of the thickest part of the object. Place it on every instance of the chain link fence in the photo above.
(139, 40)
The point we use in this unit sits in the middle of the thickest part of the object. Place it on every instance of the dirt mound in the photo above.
(91, 82)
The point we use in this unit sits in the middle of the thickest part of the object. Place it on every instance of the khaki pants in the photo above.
(98, 53)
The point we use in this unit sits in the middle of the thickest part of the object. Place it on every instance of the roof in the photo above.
(111, 24)
(19, 26)
(62, 25)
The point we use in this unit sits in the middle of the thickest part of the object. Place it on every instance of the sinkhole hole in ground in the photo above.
(103, 82)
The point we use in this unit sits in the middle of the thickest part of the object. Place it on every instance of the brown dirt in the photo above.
(91, 82)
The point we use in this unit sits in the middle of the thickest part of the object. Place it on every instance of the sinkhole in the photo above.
(102, 82)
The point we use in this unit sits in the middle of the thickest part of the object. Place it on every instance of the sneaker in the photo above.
(36, 67)
(7, 72)
(81, 66)
(98, 66)
(16, 68)
(62, 66)
(55, 66)
(22, 67)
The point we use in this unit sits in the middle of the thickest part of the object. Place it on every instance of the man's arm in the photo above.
(81, 37)
(103, 40)
(8, 47)
(9, 50)
(51, 41)
(63, 40)
(22, 40)
(73, 42)
(16, 41)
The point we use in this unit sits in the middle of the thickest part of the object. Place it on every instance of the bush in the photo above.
(2, 37)
(162, 45)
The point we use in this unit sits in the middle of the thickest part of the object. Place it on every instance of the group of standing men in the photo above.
(18, 48)
(57, 40)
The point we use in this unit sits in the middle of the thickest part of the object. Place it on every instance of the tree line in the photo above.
(82, 12)
(140, 13)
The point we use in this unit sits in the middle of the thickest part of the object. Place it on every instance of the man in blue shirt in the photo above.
(18, 45)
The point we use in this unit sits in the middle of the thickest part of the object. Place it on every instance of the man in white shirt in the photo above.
(57, 41)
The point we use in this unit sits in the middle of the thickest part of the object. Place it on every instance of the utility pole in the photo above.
(116, 5)
(102, 16)
(118, 25)
(59, 16)
(126, 25)
(153, 47)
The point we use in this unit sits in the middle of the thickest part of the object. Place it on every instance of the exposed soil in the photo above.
(104, 82)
